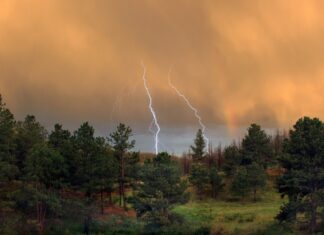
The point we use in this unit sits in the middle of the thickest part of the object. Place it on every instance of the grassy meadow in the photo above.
(226, 216)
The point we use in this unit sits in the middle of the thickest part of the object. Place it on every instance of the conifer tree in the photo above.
(199, 174)
(161, 189)
(121, 144)
(256, 147)
(303, 179)
(198, 149)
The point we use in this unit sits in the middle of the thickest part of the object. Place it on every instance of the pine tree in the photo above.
(198, 149)
(46, 172)
(86, 161)
(215, 181)
(29, 133)
(199, 174)
(256, 147)
(8, 169)
(106, 171)
(232, 160)
(132, 168)
(161, 189)
(257, 178)
(303, 178)
(248, 179)
(61, 140)
(199, 178)
(121, 144)
(240, 186)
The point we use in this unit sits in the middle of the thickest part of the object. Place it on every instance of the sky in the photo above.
(238, 62)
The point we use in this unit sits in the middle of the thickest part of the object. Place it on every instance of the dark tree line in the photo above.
(38, 170)
(45, 176)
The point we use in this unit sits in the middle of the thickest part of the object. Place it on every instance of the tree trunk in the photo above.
(86, 229)
(214, 192)
(120, 192)
(123, 194)
(200, 193)
(312, 225)
(110, 197)
(101, 200)
(219, 161)
(254, 194)
(41, 212)
(123, 180)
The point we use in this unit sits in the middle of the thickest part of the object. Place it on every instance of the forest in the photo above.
(63, 182)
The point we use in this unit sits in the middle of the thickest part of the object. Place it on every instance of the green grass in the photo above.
(233, 217)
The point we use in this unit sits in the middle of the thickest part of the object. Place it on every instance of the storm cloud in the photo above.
(237, 61)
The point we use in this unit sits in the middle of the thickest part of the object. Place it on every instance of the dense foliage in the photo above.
(160, 190)
(303, 179)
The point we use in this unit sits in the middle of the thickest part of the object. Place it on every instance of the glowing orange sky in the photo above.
(237, 61)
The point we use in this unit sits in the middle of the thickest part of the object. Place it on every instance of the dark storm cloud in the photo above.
(238, 61)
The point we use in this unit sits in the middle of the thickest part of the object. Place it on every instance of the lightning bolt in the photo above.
(195, 111)
(156, 134)
(150, 129)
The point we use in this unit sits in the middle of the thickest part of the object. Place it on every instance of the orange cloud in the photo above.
(238, 61)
